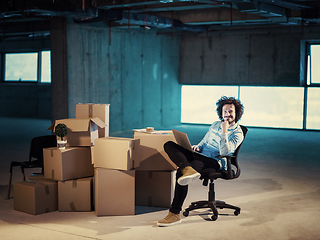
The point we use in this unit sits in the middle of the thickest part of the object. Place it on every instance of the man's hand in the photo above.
(195, 148)
(225, 126)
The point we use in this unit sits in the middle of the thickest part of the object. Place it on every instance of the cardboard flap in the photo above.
(99, 122)
(51, 127)
(75, 125)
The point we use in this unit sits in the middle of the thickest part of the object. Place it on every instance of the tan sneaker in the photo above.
(188, 175)
(169, 220)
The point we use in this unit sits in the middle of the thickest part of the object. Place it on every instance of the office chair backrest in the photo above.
(38, 143)
(234, 161)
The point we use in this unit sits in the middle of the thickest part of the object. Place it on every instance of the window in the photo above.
(46, 67)
(314, 63)
(313, 113)
(198, 103)
(279, 107)
(28, 67)
(312, 83)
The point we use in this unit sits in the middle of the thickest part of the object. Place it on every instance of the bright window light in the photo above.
(46, 67)
(279, 107)
(21, 66)
(198, 103)
(308, 71)
(315, 63)
(313, 113)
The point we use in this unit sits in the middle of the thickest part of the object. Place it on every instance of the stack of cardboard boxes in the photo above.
(67, 183)
(155, 176)
(127, 171)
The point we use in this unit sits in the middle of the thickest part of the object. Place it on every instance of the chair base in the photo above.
(213, 205)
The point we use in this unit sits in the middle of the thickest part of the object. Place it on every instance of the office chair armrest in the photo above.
(229, 173)
(226, 156)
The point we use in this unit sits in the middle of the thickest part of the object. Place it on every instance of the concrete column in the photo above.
(59, 77)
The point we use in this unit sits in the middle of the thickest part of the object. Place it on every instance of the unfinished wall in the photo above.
(25, 100)
(269, 58)
(136, 71)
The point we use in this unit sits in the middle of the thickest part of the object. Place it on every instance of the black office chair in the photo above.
(35, 156)
(210, 174)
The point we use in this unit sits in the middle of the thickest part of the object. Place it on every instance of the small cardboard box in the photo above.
(114, 192)
(36, 197)
(75, 195)
(155, 188)
(116, 153)
(81, 132)
(66, 164)
(152, 156)
(91, 110)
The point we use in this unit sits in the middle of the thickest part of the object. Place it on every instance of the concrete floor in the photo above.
(278, 192)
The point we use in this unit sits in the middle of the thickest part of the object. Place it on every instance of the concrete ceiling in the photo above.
(31, 18)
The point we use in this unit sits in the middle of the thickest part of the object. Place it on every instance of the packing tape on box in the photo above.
(74, 183)
(150, 129)
(52, 174)
(90, 110)
(46, 187)
(72, 207)
(51, 152)
(149, 174)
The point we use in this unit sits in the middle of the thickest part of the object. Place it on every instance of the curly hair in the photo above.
(230, 100)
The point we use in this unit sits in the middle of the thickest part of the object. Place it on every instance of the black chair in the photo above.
(35, 156)
(210, 174)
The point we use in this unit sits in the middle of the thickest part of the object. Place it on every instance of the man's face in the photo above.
(229, 113)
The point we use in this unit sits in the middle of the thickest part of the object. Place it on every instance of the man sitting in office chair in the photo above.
(222, 138)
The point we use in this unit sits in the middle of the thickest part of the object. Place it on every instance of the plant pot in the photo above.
(62, 144)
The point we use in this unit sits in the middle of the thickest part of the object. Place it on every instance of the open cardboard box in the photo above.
(91, 110)
(81, 132)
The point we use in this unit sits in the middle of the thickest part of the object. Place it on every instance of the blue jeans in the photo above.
(183, 158)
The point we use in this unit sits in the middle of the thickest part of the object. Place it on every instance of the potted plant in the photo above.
(61, 131)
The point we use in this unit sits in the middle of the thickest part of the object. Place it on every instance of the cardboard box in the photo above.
(152, 156)
(114, 192)
(155, 189)
(66, 164)
(91, 110)
(81, 132)
(75, 195)
(36, 197)
(116, 153)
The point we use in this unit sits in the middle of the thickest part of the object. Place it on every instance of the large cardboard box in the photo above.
(114, 192)
(155, 188)
(116, 153)
(91, 110)
(36, 197)
(152, 154)
(75, 195)
(81, 132)
(66, 164)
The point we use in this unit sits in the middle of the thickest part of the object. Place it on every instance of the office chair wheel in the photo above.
(185, 213)
(214, 217)
(236, 212)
